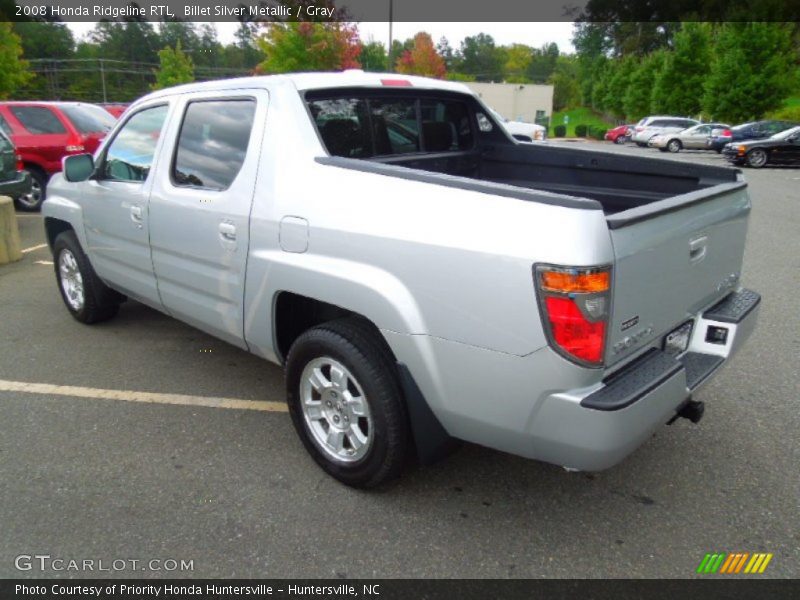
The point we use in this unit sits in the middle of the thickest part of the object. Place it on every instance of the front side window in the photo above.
(38, 120)
(213, 143)
(130, 155)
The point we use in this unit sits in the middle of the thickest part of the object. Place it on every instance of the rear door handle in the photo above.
(697, 249)
(136, 215)
(227, 231)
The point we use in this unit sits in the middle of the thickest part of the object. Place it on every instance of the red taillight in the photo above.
(575, 302)
(726, 133)
(20, 164)
(573, 332)
(396, 82)
(639, 128)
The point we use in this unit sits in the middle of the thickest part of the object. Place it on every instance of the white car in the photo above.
(519, 130)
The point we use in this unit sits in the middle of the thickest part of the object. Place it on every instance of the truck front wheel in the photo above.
(86, 297)
(346, 404)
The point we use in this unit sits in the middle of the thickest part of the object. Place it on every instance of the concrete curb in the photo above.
(10, 249)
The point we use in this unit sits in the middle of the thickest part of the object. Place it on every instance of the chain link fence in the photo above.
(101, 80)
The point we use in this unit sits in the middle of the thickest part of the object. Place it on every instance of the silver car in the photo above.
(651, 126)
(695, 138)
(419, 274)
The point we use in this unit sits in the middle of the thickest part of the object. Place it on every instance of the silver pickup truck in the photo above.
(422, 276)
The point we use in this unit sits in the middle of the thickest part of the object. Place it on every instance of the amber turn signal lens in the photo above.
(575, 282)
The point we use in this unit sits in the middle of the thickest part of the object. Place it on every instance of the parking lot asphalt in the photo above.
(234, 491)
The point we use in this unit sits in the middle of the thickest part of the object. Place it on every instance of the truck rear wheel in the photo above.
(346, 404)
(86, 297)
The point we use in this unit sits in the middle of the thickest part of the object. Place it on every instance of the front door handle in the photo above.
(227, 231)
(136, 215)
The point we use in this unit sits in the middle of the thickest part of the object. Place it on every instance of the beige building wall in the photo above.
(516, 101)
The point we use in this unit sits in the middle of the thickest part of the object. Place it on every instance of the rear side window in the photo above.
(4, 126)
(130, 155)
(391, 126)
(38, 120)
(213, 143)
(659, 123)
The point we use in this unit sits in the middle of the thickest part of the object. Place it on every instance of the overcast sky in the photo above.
(532, 34)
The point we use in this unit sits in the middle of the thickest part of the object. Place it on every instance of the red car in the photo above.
(115, 110)
(45, 132)
(619, 135)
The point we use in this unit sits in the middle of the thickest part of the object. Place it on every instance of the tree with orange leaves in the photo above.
(422, 58)
(309, 46)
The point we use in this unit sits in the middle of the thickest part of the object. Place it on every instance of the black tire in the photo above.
(32, 202)
(359, 348)
(620, 139)
(757, 158)
(641, 144)
(100, 302)
(674, 146)
(663, 149)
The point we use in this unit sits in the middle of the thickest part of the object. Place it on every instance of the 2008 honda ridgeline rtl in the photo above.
(421, 275)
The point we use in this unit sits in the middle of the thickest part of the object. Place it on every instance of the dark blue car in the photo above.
(748, 131)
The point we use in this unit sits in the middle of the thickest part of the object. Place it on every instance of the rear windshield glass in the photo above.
(363, 127)
(88, 118)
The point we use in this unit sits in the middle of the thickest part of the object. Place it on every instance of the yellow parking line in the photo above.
(133, 396)
(33, 248)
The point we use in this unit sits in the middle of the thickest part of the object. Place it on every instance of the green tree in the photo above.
(13, 69)
(481, 58)
(518, 61)
(45, 39)
(175, 68)
(566, 89)
(678, 87)
(320, 46)
(445, 50)
(638, 95)
(543, 63)
(752, 71)
(373, 57)
(618, 81)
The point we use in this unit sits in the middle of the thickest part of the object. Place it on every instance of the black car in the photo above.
(780, 149)
(748, 131)
(13, 180)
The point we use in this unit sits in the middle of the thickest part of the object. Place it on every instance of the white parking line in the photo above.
(43, 262)
(33, 248)
(133, 396)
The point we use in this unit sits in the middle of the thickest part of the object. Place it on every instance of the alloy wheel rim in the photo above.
(336, 410)
(758, 158)
(33, 197)
(71, 279)
(674, 147)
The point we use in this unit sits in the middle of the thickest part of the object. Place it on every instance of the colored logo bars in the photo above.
(734, 562)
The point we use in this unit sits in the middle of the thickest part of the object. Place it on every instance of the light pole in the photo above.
(389, 59)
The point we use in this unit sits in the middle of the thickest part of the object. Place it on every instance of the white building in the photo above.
(517, 101)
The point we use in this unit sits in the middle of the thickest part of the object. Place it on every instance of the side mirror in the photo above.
(77, 167)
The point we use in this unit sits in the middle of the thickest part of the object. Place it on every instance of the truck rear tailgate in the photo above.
(673, 258)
